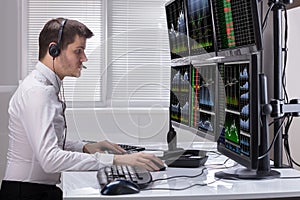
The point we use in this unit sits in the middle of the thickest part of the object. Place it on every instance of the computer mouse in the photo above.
(119, 187)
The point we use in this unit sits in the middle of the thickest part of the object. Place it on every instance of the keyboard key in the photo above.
(138, 175)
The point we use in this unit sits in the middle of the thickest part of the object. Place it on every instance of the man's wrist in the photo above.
(116, 159)
(85, 149)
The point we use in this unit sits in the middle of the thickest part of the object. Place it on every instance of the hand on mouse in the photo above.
(102, 146)
(145, 160)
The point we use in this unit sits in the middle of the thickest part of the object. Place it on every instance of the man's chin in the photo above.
(75, 75)
(78, 75)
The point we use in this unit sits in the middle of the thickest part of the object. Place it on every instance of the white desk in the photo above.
(84, 185)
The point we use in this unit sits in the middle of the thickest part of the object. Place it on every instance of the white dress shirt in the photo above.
(36, 133)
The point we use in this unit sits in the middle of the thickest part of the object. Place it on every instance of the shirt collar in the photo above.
(49, 75)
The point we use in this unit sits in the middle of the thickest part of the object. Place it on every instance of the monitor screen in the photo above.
(237, 27)
(238, 110)
(192, 102)
(203, 113)
(180, 94)
(177, 29)
(240, 122)
(200, 27)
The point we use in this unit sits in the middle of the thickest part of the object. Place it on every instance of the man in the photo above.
(38, 150)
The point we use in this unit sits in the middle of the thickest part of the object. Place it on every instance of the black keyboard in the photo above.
(139, 176)
(132, 148)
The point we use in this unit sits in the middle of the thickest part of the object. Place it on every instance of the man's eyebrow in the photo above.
(81, 47)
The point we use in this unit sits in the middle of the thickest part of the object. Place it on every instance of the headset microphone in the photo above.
(84, 67)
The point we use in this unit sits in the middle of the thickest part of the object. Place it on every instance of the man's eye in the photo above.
(78, 51)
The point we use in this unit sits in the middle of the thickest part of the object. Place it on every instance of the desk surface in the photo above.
(84, 185)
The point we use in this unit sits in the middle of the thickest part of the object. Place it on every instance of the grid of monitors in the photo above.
(220, 101)
(220, 97)
(222, 27)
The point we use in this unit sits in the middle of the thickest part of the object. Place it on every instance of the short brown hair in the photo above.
(50, 34)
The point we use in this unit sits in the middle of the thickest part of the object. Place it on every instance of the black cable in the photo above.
(286, 141)
(276, 120)
(191, 176)
(294, 162)
(63, 104)
(285, 51)
(224, 166)
(180, 176)
(272, 143)
(266, 17)
(184, 188)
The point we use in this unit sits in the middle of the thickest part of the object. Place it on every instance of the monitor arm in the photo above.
(277, 7)
(277, 108)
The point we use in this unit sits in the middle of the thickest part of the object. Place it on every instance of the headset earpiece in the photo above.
(54, 49)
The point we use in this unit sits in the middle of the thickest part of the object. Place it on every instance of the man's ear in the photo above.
(54, 50)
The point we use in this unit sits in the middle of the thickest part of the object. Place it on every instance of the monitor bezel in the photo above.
(252, 161)
(211, 136)
(246, 49)
(203, 56)
(186, 53)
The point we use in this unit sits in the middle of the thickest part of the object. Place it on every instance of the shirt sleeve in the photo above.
(40, 115)
(74, 145)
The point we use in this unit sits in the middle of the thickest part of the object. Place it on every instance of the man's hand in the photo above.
(145, 160)
(103, 146)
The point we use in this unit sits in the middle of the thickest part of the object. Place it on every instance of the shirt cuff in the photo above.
(77, 146)
(104, 159)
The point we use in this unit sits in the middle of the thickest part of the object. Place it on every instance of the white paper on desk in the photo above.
(157, 153)
(85, 191)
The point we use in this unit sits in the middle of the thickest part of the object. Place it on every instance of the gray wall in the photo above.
(293, 76)
(9, 74)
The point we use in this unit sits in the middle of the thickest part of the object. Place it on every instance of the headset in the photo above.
(54, 49)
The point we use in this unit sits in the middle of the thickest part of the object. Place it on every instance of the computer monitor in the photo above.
(237, 27)
(224, 96)
(192, 99)
(242, 137)
(203, 99)
(177, 29)
(180, 94)
(240, 126)
(200, 28)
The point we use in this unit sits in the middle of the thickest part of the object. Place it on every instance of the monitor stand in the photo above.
(179, 157)
(172, 140)
(244, 173)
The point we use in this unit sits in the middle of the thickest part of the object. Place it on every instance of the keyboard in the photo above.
(132, 148)
(138, 175)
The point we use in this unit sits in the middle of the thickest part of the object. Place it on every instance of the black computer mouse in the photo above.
(119, 187)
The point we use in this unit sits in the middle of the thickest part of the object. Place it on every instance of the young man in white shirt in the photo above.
(38, 149)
